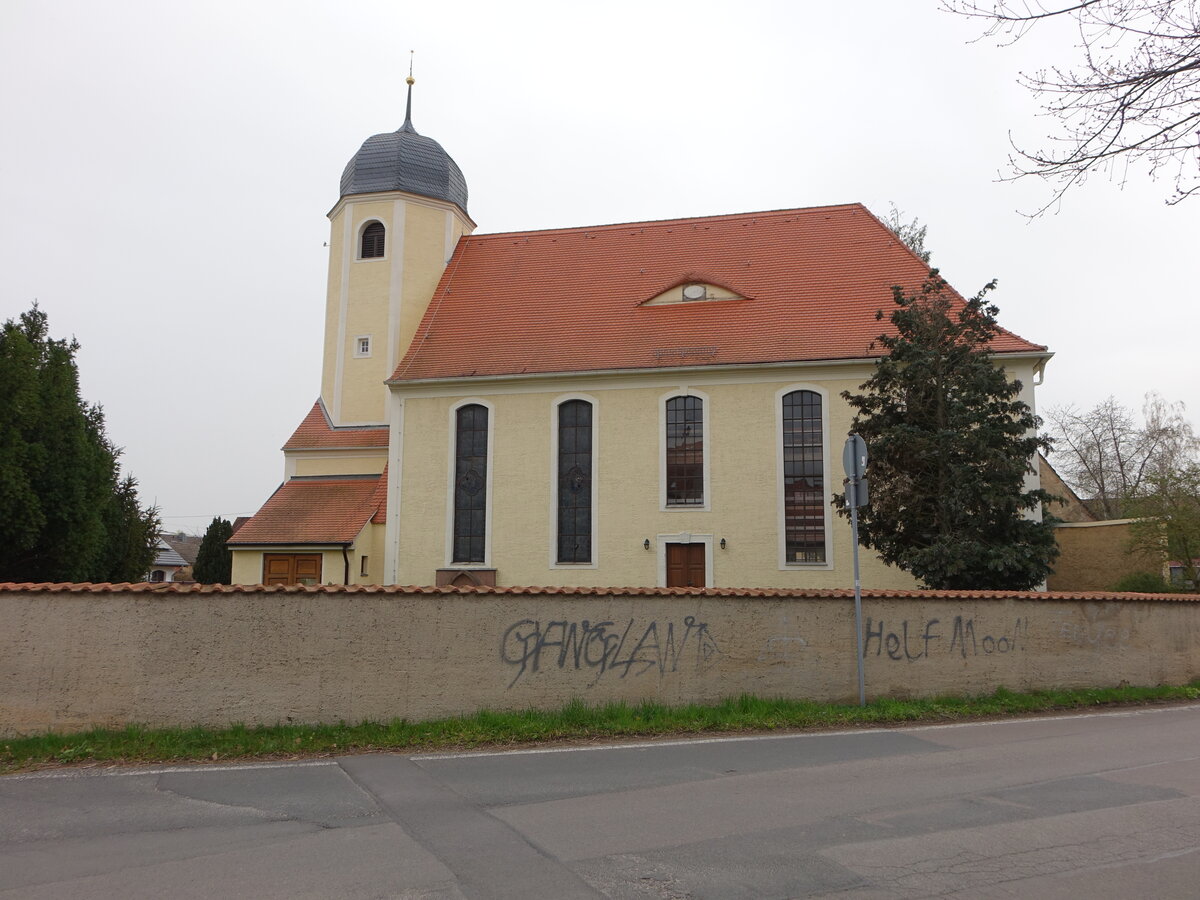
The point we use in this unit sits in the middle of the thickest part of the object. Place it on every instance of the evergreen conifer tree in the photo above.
(214, 562)
(65, 514)
(950, 443)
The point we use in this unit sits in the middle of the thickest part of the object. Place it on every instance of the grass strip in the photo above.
(577, 721)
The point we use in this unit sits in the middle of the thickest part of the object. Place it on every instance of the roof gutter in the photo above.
(401, 383)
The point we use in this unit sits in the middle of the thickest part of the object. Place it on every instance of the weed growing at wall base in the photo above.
(576, 722)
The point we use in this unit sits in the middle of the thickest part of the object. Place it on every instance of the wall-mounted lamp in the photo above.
(646, 543)
(722, 543)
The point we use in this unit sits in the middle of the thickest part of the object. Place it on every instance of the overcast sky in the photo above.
(166, 169)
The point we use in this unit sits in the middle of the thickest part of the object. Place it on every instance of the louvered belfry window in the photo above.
(803, 478)
(685, 451)
(470, 483)
(575, 482)
(372, 241)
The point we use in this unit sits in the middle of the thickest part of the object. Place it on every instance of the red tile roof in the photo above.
(316, 510)
(585, 592)
(317, 432)
(571, 299)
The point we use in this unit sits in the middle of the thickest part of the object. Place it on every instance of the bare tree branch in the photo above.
(1133, 98)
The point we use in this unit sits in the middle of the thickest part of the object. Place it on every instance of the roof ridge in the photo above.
(684, 220)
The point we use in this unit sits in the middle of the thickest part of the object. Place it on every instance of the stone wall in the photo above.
(76, 656)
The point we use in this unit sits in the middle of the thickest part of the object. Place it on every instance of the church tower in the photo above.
(401, 211)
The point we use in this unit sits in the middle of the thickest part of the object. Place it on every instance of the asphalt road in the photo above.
(1097, 806)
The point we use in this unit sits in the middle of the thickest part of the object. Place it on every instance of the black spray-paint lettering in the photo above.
(529, 645)
(913, 643)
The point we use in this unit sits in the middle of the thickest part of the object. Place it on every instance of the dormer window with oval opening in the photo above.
(372, 244)
(693, 292)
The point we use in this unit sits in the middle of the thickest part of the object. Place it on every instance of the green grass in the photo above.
(574, 722)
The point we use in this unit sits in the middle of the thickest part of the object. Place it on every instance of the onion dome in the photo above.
(403, 160)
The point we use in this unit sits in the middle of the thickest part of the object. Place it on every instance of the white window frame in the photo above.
(451, 460)
(685, 537)
(706, 429)
(358, 351)
(553, 517)
(781, 512)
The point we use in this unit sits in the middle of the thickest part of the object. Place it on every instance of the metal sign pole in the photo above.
(854, 461)
(858, 628)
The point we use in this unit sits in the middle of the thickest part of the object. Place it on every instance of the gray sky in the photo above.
(166, 169)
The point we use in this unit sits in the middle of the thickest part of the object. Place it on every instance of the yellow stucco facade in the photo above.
(743, 502)
(379, 299)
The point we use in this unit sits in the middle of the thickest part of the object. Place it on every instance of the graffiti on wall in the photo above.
(1096, 635)
(932, 637)
(602, 648)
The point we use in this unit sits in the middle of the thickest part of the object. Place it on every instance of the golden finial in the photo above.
(409, 80)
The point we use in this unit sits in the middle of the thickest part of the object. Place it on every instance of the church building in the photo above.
(646, 404)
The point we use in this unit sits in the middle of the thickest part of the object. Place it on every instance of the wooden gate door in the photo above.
(685, 565)
(291, 568)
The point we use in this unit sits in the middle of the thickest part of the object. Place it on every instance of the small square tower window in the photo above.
(362, 346)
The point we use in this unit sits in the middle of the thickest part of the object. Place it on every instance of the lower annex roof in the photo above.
(317, 510)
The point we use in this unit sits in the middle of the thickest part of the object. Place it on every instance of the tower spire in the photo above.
(408, 125)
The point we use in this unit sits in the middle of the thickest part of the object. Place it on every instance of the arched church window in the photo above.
(575, 482)
(470, 483)
(372, 241)
(803, 478)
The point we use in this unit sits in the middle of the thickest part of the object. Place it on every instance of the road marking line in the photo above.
(126, 771)
(651, 744)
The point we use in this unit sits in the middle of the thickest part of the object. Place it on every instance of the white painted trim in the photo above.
(415, 199)
(553, 517)
(827, 469)
(452, 429)
(685, 537)
(1095, 524)
(595, 379)
(395, 496)
(396, 283)
(387, 241)
(343, 300)
(706, 416)
(357, 350)
(335, 452)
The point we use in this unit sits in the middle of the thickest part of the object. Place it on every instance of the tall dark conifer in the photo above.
(950, 443)
(65, 515)
(214, 562)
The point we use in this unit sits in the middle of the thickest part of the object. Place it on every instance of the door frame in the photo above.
(684, 537)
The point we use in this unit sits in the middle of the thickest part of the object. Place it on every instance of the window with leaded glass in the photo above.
(803, 478)
(685, 451)
(372, 241)
(470, 483)
(575, 482)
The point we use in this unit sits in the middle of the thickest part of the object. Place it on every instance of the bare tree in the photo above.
(1109, 458)
(1133, 96)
